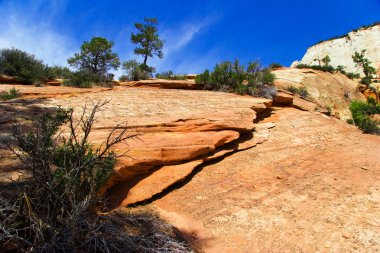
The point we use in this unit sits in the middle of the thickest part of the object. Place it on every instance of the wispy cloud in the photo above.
(177, 39)
(29, 28)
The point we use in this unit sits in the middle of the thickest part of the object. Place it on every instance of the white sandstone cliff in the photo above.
(341, 50)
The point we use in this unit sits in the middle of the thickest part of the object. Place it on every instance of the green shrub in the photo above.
(229, 77)
(169, 75)
(302, 91)
(353, 75)
(82, 79)
(58, 72)
(366, 80)
(291, 89)
(329, 69)
(24, 66)
(361, 114)
(123, 78)
(56, 208)
(323, 68)
(10, 94)
(136, 71)
(275, 65)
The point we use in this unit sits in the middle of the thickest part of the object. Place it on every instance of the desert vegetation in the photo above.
(229, 76)
(92, 64)
(169, 75)
(362, 62)
(302, 91)
(55, 206)
(362, 114)
(9, 94)
(326, 67)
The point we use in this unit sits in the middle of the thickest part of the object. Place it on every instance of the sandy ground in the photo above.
(312, 187)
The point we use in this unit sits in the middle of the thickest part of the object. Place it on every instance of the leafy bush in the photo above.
(169, 75)
(82, 79)
(56, 208)
(10, 94)
(361, 114)
(275, 65)
(231, 77)
(302, 91)
(329, 69)
(352, 75)
(291, 89)
(136, 71)
(58, 72)
(323, 68)
(14, 62)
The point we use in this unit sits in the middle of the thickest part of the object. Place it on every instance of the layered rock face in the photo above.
(334, 91)
(341, 50)
(177, 130)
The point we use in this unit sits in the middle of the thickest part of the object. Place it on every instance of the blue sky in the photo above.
(198, 33)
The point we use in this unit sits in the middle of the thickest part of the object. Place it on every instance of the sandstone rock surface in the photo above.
(163, 83)
(334, 91)
(311, 187)
(174, 127)
(341, 50)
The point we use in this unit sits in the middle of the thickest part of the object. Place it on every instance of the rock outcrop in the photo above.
(341, 50)
(162, 83)
(177, 130)
(329, 91)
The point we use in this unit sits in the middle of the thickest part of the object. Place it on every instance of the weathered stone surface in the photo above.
(173, 126)
(167, 176)
(163, 83)
(334, 91)
(341, 50)
(283, 99)
(311, 187)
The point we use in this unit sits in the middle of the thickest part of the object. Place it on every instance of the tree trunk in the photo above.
(145, 59)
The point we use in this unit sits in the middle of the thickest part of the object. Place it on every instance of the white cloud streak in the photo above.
(29, 28)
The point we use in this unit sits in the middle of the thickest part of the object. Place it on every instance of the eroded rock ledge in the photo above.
(177, 131)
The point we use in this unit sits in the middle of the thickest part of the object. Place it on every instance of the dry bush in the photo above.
(56, 208)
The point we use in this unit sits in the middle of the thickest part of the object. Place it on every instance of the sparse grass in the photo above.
(10, 94)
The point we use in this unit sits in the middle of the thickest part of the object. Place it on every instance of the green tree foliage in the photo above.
(275, 65)
(83, 79)
(26, 67)
(362, 62)
(96, 57)
(58, 72)
(362, 112)
(326, 60)
(232, 77)
(148, 41)
(135, 71)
